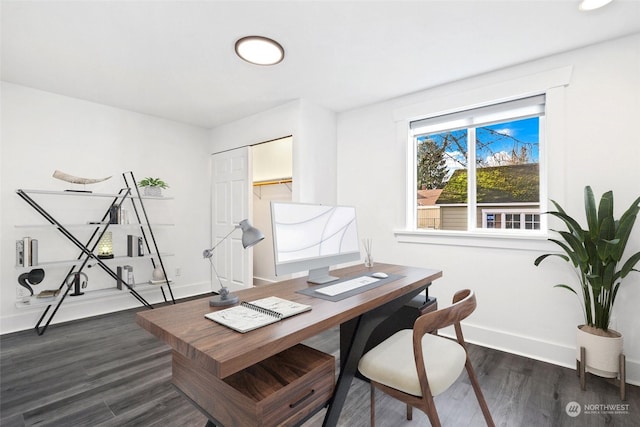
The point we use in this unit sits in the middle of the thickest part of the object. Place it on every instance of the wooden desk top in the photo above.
(222, 351)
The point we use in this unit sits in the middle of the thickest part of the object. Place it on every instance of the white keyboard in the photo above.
(346, 286)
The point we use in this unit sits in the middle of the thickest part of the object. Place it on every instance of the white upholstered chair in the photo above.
(415, 365)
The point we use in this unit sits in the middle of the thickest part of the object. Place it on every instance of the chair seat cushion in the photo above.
(391, 362)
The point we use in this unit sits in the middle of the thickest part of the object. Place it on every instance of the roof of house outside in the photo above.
(496, 184)
(428, 197)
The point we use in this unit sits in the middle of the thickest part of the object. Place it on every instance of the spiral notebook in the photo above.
(255, 314)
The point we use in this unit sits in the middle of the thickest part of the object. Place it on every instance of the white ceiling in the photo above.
(175, 59)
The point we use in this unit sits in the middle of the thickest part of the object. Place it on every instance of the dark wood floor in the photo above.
(106, 371)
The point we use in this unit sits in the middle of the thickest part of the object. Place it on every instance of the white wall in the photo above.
(42, 132)
(315, 155)
(519, 310)
(314, 144)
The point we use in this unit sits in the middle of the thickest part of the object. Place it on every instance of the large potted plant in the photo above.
(596, 255)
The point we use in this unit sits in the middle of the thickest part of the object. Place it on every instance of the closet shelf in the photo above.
(260, 184)
(272, 182)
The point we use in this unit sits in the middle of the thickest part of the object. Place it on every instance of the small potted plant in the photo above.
(153, 186)
(596, 255)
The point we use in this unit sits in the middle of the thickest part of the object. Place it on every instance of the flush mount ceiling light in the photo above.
(592, 4)
(259, 50)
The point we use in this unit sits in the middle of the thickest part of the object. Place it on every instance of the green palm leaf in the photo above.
(590, 210)
(596, 252)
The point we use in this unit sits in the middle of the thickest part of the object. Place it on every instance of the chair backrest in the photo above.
(464, 303)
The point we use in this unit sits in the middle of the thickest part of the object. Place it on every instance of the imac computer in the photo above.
(312, 237)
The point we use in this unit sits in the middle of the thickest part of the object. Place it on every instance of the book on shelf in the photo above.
(49, 293)
(159, 282)
(135, 246)
(26, 252)
(255, 314)
(20, 253)
(26, 261)
(34, 252)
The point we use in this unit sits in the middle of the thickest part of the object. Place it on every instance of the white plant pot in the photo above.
(602, 353)
(153, 191)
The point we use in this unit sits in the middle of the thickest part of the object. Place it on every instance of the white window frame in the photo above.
(552, 84)
(470, 120)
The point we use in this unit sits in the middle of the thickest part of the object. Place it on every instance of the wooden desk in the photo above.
(220, 351)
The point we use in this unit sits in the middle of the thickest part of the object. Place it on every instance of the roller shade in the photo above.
(517, 109)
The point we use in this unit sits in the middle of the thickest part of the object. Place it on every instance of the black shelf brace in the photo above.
(85, 255)
(144, 235)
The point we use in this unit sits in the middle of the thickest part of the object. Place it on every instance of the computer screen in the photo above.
(313, 237)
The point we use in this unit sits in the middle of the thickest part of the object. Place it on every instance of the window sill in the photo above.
(534, 241)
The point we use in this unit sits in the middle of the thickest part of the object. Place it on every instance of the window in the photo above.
(511, 220)
(532, 221)
(479, 169)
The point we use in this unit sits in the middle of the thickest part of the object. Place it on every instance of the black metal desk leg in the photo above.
(362, 329)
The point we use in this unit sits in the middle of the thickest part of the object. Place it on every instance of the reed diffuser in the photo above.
(368, 258)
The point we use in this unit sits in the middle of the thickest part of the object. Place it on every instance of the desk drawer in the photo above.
(280, 390)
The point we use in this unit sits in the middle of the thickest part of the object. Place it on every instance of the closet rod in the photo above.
(278, 181)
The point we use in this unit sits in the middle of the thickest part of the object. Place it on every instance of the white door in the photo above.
(231, 178)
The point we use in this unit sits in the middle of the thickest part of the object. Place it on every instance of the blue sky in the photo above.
(524, 131)
(500, 143)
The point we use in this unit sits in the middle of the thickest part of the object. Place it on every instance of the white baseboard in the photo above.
(546, 351)
(261, 281)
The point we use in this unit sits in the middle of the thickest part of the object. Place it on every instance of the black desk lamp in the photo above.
(250, 236)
